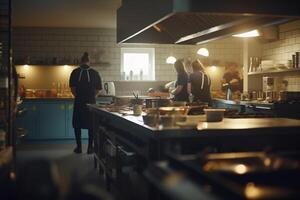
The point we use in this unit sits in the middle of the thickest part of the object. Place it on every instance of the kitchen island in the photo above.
(123, 140)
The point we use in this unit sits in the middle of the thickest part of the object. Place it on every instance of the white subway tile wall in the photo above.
(282, 50)
(69, 44)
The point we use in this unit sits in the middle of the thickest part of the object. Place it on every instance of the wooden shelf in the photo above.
(61, 64)
(275, 71)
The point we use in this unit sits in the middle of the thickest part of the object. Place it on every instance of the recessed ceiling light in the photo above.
(253, 33)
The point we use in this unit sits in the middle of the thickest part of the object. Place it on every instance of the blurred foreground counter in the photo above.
(125, 146)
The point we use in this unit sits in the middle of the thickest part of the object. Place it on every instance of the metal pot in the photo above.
(157, 102)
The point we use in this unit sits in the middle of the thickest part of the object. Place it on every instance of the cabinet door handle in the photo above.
(62, 107)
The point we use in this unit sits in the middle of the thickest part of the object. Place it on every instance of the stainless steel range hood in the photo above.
(197, 21)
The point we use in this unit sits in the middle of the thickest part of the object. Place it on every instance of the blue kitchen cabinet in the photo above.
(48, 120)
(52, 120)
(28, 120)
(69, 117)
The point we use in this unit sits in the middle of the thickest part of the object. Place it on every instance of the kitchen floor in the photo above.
(74, 172)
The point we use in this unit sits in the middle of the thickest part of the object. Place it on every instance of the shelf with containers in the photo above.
(275, 71)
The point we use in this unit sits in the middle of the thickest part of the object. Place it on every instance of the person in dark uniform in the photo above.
(180, 91)
(85, 84)
(232, 78)
(199, 83)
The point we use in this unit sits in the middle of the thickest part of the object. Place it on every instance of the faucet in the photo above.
(229, 94)
(227, 87)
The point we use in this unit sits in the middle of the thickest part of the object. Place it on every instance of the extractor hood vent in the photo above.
(196, 21)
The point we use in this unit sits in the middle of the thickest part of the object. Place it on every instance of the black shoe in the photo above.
(77, 150)
(90, 150)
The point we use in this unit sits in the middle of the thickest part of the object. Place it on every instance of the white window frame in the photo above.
(150, 51)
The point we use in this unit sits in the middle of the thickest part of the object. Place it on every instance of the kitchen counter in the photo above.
(130, 121)
(262, 131)
(123, 139)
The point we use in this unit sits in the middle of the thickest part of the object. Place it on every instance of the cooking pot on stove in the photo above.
(157, 102)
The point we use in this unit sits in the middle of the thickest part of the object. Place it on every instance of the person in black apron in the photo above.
(180, 91)
(85, 84)
(199, 83)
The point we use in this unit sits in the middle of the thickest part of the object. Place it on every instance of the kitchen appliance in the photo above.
(109, 88)
(199, 22)
(268, 87)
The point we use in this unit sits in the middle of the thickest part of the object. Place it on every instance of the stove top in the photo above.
(254, 175)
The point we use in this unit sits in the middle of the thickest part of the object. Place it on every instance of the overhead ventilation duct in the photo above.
(197, 21)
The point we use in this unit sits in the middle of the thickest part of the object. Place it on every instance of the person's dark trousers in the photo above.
(91, 140)
(78, 149)
(78, 140)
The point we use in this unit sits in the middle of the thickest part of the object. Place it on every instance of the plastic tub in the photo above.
(214, 115)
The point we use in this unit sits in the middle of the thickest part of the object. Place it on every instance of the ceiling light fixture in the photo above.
(203, 52)
(213, 68)
(171, 60)
(253, 33)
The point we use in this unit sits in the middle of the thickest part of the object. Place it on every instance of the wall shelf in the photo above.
(275, 71)
(102, 64)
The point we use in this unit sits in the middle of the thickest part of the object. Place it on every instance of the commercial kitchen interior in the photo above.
(251, 153)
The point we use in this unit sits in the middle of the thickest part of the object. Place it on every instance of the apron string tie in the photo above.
(87, 72)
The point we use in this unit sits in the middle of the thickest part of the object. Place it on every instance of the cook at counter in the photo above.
(180, 92)
(199, 83)
(85, 84)
(232, 78)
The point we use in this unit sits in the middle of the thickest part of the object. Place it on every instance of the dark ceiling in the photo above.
(65, 13)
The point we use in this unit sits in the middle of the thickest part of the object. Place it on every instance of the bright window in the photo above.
(137, 64)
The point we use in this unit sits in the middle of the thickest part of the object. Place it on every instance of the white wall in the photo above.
(69, 43)
(282, 50)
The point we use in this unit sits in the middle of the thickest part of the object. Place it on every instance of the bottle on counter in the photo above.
(297, 60)
(293, 61)
(131, 75)
(228, 94)
(141, 74)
